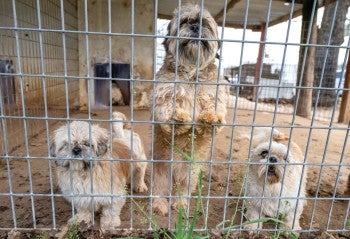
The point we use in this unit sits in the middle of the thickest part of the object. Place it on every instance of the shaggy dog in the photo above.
(181, 105)
(84, 169)
(265, 180)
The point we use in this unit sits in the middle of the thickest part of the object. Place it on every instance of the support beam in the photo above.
(306, 64)
(259, 62)
(229, 6)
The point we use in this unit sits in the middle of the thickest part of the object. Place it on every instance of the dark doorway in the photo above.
(102, 86)
(7, 82)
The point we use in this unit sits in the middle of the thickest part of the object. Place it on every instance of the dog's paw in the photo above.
(79, 217)
(160, 206)
(208, 119)
(108, 223)
(252, 229)
(140, 187)
(182, 116)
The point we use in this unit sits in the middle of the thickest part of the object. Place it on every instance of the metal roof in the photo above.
(259, 11)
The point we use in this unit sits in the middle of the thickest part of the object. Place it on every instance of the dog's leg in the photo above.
(182, 191)
(185, 187)
(161, 187)
(213, 109)
(164, 109)
(289, 222)
(253, 216)
(139, 177)
(110, 216)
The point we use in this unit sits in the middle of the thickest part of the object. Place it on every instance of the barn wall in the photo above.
(97, 43)
(30, 51)
(38, 69)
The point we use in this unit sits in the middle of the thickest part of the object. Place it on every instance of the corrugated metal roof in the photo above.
(259, 11)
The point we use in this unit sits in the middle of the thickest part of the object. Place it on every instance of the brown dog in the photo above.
(185, 103)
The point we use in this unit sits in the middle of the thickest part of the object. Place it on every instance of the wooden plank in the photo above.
(229, 6)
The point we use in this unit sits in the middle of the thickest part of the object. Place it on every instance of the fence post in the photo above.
(259, 66)
(344, 113)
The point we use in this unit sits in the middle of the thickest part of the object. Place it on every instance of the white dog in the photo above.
(265, 180)
(86, 175)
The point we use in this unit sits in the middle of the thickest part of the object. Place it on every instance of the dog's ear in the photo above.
(127, 125)
(52, 149)
(165, 42)
(278, 136)
(217, 53)
(102, 146)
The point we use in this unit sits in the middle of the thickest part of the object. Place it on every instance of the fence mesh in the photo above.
(81, 60)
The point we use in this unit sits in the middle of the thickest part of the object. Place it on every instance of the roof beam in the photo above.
(229, 6)
(164, 16)
(285, 18)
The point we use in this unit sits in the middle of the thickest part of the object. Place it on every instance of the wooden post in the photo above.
(344, 113)
(306, 79)
(258, 62)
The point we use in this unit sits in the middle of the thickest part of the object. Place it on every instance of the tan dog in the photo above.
(276, 161)
(124, 135)
(83, 169)
(203, 104)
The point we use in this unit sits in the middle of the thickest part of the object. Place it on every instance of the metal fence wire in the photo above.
(234, 114)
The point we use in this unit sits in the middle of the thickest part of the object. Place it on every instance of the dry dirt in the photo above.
(47, 209)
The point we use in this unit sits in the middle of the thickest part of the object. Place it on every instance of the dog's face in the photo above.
(275, 160)
(78, 141)
(189, 21)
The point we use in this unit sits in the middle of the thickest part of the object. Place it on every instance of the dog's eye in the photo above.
(192, 21)
(86, 143)
(183, 21)
(264, 153)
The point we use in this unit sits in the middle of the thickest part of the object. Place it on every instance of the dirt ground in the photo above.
(326, 209)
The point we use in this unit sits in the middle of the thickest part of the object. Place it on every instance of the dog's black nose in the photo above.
(76, 150)
(272, 160)
(194, 28)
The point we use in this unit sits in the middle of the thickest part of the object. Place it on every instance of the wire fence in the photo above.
(80, 60)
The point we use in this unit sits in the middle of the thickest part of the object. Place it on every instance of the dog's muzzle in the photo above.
(195, 28)
(271, 168)
(76, 151)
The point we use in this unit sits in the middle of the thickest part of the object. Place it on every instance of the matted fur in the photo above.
(274, 173)
(189, 108)
(83, 168)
